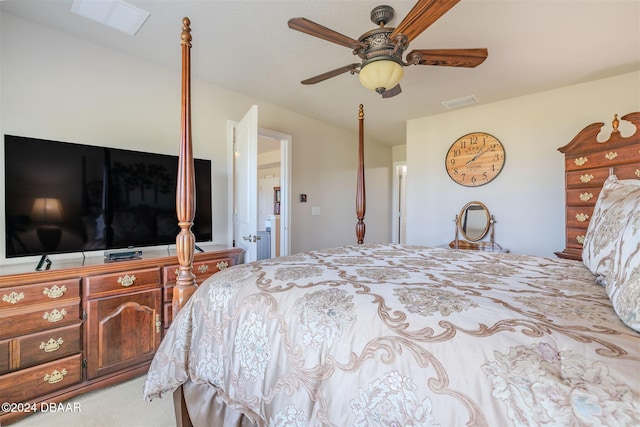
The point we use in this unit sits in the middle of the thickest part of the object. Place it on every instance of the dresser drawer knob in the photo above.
(585, 197)
(222, 265)
(581, 161)
(611, 155)
(55, 291)
(586, 177)
(13, 297)
(51, 345)
(580, 239)
(582, 217)
(203, 268)
(55, 377)
(127, 280)
(55, 315)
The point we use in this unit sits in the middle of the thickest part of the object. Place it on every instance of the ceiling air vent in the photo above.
(116, 14)
(460, 102)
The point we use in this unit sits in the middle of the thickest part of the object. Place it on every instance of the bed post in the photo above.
(361, 204)
(185, 191)
(185, 209)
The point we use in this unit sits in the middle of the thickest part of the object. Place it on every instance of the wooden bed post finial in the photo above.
(185, 36)
(361, 204)
(185, 187)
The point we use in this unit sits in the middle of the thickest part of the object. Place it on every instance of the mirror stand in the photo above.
(473, 243)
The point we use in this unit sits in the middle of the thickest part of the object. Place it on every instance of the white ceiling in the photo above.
(246, 46)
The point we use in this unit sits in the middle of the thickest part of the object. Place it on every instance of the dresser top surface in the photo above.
(82, 266)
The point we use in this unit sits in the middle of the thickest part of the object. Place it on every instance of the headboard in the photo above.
(588, 163)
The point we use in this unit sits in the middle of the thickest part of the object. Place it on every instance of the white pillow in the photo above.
(612, 246)
(623, 281)
(608, 220)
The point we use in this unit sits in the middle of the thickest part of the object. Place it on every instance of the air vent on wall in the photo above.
(116, 14)
(460, 102)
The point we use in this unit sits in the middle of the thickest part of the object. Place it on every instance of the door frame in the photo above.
(399, 203)
(285, 183)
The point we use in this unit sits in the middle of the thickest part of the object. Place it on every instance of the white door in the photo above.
(246, 188)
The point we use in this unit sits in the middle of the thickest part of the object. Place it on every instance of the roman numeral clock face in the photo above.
(475, 159)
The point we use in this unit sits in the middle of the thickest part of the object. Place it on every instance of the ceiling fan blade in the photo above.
(423, 14)
(449, 57)
(396, 90)
(329, 74)
(309, 27)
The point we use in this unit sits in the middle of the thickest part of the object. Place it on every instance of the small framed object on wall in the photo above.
(475, 159)
(276, 200)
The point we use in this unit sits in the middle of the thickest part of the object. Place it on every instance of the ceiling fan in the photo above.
(381, 49)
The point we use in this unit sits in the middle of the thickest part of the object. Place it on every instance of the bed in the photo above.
(397, 335)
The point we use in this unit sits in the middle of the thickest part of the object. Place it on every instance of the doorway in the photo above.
(279, 222)
(269, 205)
(399, 205)
(269, 189)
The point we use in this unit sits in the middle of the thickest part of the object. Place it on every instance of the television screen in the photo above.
(64, 197)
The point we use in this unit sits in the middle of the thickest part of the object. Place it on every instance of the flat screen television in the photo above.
(64, 197)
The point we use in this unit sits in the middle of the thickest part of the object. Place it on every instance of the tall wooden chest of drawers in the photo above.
(588, 163)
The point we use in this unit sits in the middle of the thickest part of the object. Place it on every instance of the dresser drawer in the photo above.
(579, 217)
(628, 171)
(50, 345)
(20, 296)
(582, 196)
(575, 237)
(608, 158)
(26, 384)
(202, 270)
(587, 178)
(39, 317)
(128, 281)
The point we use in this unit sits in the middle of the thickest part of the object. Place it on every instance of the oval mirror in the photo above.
(474, 221)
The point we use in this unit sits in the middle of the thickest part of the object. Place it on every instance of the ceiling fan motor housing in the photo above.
(378, 44)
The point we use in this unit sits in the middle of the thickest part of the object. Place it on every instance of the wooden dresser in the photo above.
(588, 163)
(77, 328)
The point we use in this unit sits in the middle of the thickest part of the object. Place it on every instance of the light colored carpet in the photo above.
(118, 406)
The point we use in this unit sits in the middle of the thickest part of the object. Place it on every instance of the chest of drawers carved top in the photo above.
(588, 163)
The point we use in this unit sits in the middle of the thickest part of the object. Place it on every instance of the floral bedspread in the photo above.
(392, 335)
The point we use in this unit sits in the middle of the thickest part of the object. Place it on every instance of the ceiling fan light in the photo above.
(381, 74)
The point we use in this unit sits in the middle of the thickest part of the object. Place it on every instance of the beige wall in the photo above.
(399, 153)
(58, 87)
(527, 198)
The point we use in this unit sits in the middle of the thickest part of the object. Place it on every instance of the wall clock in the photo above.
(475, 159)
